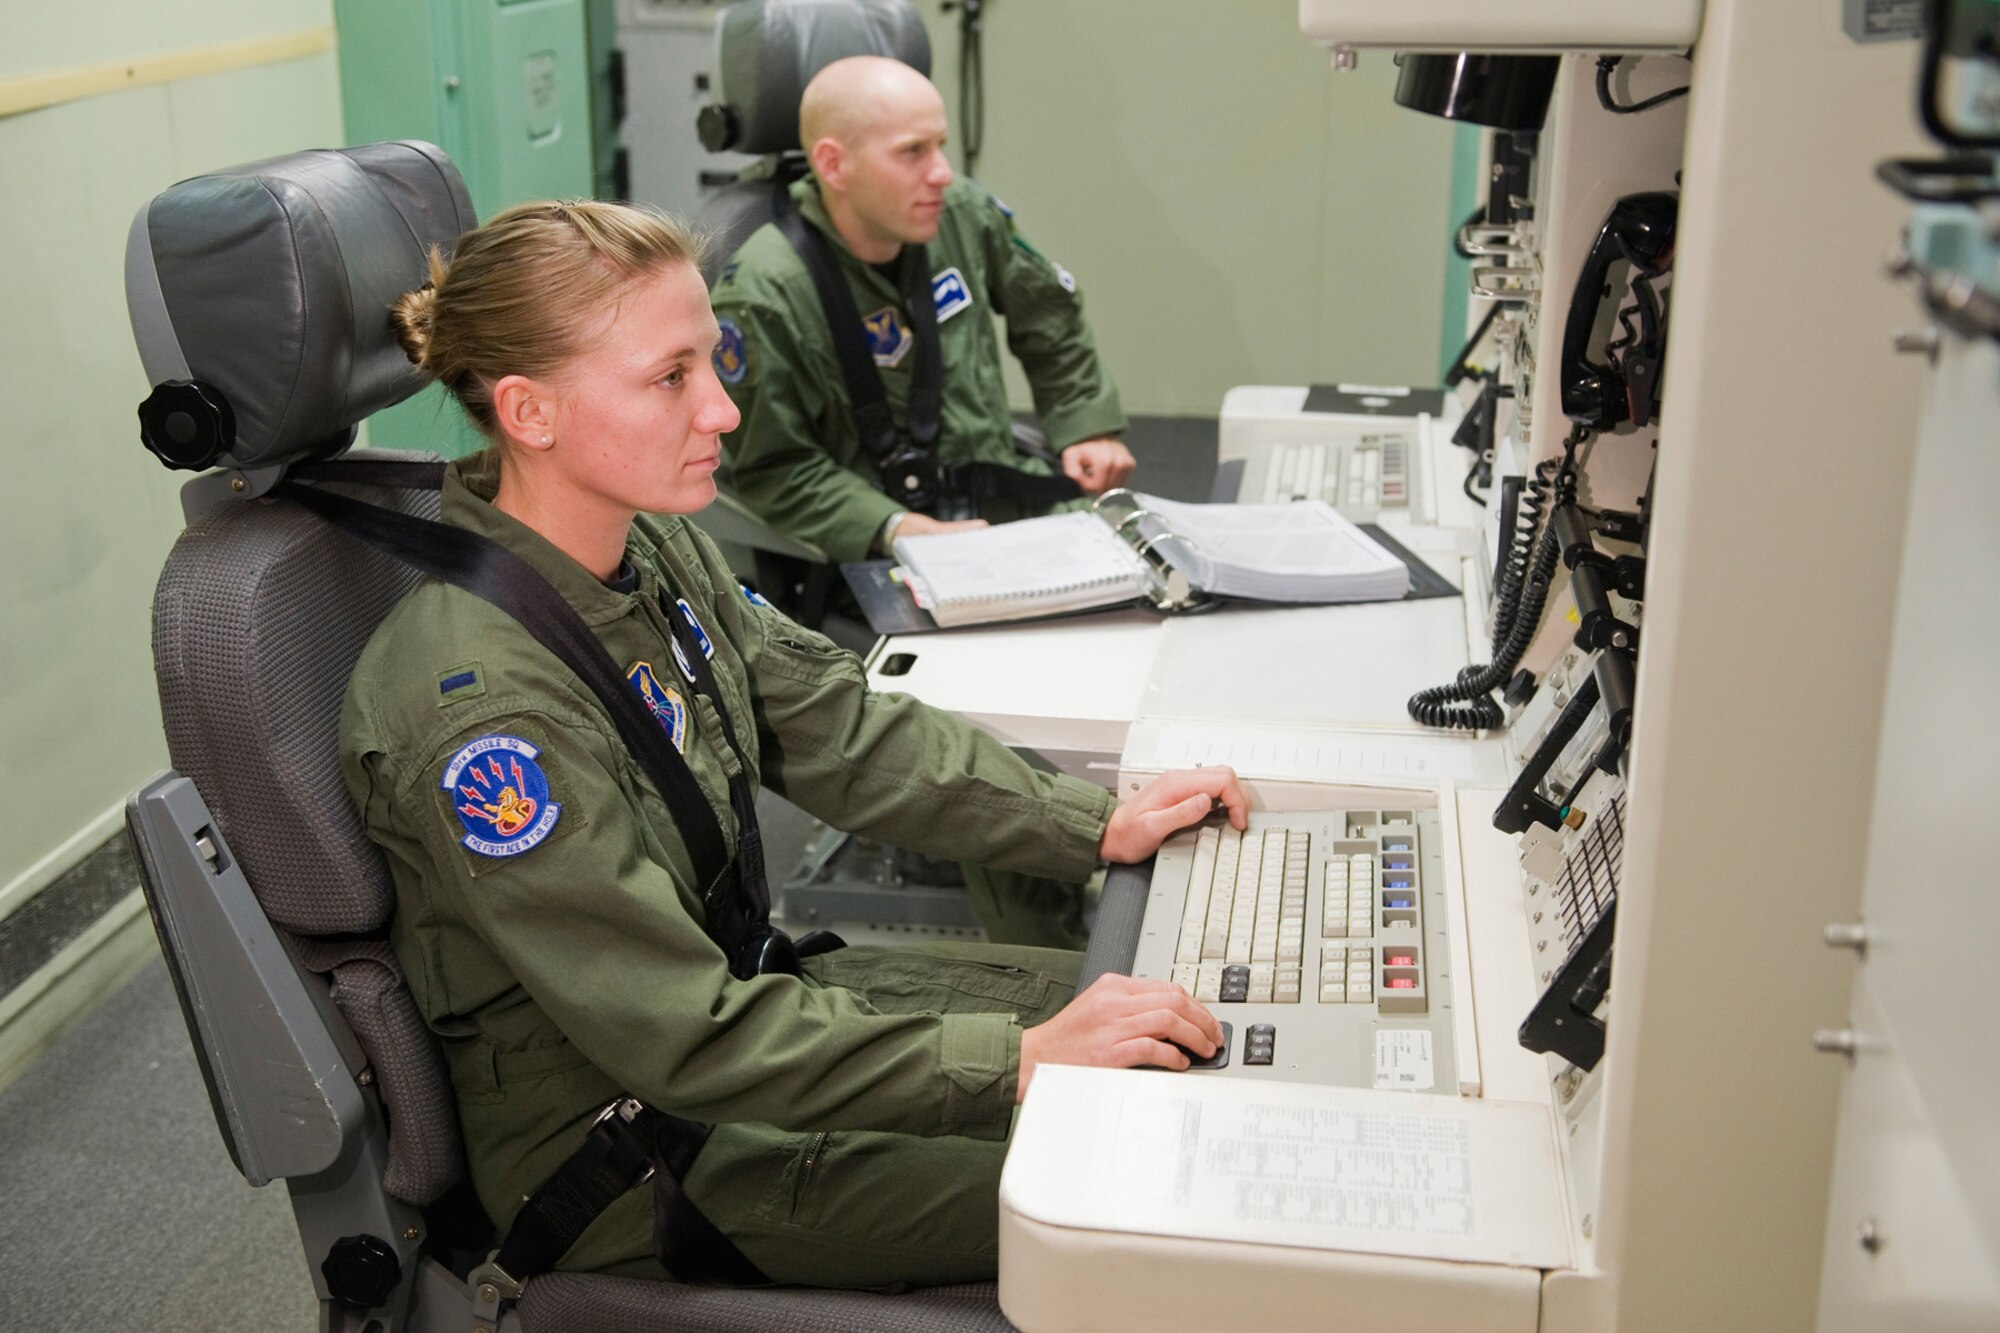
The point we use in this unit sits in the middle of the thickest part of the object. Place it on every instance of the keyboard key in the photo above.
(1208, 984)
(1187, 976)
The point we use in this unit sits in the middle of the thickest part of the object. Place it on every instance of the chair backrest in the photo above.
(260, 298)
(767, 51)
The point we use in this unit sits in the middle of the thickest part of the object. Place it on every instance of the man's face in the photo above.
(897, 172)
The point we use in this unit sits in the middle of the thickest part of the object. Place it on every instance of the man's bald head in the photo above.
(874, 130)
(856, 99)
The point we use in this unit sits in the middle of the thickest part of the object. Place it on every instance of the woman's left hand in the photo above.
(1167, 804)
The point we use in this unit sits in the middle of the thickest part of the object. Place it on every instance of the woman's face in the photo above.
(639, 415)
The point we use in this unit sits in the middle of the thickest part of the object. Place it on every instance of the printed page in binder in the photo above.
(1036, 567)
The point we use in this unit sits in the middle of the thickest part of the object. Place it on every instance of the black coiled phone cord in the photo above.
(1520, 592)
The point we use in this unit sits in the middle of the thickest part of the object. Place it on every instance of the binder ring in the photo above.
(1146, 547)
(1118, 528)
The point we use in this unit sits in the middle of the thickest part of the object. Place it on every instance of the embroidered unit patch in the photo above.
(665, 702)
(501, 796)
(732, 358)
(694, 623)
(752, 596)
(949, 292)
(888, 340)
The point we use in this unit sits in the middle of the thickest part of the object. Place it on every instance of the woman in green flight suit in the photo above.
(548, 916)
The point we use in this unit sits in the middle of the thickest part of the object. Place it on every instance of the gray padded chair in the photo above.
(258, 297)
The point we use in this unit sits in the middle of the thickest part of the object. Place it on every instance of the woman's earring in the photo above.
(545, 439)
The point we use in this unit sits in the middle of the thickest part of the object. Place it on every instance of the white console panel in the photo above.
(1053, 686)
(1142, 1201)
(1519, 25)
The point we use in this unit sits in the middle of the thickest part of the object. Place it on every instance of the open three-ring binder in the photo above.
(1132, 549)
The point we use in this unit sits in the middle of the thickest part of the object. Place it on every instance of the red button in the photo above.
(1402, 983)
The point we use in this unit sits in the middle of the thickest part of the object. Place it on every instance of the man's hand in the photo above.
(1098, 465)
(913, 524)
(1120, 1022)
(1167, 804)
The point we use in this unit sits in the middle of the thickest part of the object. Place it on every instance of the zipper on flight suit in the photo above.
(814, 1148)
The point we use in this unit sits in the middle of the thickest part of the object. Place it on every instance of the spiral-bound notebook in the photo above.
(1133, 548)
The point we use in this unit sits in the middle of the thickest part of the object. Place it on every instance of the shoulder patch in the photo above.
(501, 795)
(1000, 204)
(664, 701)
(950, 293)
(888, 339)
(755, 598)
(732, 357)
(1064, 277)
(464, 681)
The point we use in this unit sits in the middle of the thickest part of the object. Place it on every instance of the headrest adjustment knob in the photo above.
(187, 424)
(717, 127)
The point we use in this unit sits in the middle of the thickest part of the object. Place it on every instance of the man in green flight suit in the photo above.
(874, 130)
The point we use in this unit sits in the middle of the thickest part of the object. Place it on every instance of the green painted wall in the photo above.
(86, 516)
(1236, 212)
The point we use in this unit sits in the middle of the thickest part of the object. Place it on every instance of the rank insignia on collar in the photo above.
(949, 293)
(694, 623)
(501, 795)
(888, 340)
(732, 358)
(663, 701)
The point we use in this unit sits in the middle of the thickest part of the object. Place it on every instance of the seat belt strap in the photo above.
(990, 481)
(630, 1144)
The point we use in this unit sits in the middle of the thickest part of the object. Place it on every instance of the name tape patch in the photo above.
(950, 293)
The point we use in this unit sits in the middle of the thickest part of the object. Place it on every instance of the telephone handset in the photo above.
(1640, 230)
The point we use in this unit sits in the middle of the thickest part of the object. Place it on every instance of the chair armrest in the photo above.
(283, 1093)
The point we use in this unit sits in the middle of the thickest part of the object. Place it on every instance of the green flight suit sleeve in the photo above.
(598, 924)
(892, 767)
(1074, 397)
(779, 464)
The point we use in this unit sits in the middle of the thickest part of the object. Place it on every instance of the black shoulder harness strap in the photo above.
(865, 393)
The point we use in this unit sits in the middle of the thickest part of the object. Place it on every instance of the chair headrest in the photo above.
(767, 51)
(260, 296)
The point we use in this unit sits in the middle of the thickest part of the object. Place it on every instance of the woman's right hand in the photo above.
(1119, 1022)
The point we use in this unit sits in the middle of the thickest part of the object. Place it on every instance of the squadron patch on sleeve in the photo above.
(663, 701)
(950, 293)
(732, 358)
(755, 598)
(501, 795)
